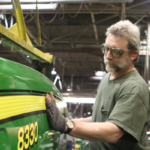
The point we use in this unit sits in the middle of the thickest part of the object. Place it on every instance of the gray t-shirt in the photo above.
(124, 102)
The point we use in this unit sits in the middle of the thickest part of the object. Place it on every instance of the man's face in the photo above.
(113, 64)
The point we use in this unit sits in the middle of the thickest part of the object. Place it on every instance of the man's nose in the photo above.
(109, 55)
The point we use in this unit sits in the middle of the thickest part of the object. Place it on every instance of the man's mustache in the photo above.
(106, 61)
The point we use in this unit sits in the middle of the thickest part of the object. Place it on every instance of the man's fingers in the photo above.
(51, 95)
(48, 98)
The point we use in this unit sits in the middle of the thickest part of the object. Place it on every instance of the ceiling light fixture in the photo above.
(96, 78)
(69, 89)
(52, 6)
(79, 100)
(27, 1)
(89, 113)
(53, 72)
(100, 73)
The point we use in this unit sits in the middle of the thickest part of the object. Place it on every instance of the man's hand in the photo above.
(56, 120)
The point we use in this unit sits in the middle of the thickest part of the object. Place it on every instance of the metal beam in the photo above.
(96, 52)
(100, 21)
(94, 26)
(43, 34)
(31, 35)
(12, 40)
(74, 112)
(6, 21)
(19, 19)
(139, 11)
(138, 4)
(140, 19)
(80, 41)
(123, 17)
(11, 20)
(62, 72)
(70, 41)
(81, 33)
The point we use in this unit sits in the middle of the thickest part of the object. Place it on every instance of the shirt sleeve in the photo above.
(130, 114)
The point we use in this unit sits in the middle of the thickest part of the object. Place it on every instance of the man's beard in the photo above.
(114, 67)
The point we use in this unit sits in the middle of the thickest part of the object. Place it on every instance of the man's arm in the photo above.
(106, 131)
(96, 131)
(87, 119)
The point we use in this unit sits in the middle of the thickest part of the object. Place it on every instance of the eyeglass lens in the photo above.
(114, 51)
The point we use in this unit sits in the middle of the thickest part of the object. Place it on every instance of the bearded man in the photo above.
(122, 108)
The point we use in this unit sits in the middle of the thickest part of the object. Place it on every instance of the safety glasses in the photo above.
(116, 52)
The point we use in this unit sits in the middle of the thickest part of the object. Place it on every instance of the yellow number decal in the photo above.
(20, 139)
(26, 134)
(36, 132)
(32, 134)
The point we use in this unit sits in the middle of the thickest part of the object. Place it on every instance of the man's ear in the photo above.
(134, 55)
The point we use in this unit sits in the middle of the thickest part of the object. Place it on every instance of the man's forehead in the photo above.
(116, 41)
(117, 36)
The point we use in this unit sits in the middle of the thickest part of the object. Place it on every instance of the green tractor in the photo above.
(23, 118)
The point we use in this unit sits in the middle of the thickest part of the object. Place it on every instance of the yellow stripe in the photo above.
(20, 104)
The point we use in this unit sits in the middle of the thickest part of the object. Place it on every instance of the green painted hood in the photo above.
(20, 78)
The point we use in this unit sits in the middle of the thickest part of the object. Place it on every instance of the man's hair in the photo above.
(128, 30)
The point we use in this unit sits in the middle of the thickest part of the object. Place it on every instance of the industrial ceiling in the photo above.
(73, 32)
